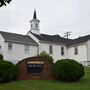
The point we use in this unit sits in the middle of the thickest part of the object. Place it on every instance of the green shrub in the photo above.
(68, 70)
(45, 55)
(16, 72)
(8, 71)
(1, 57)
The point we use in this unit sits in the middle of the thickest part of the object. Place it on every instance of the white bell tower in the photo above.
(34, 24)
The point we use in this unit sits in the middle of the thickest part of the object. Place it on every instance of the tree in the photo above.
(4, 2)
(46, 56)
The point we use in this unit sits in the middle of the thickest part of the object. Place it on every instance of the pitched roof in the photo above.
(57, 39)
(17, 38)
(80, 40)
(24, 39)
(53, 39)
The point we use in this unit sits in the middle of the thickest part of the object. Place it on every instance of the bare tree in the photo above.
(4, 2)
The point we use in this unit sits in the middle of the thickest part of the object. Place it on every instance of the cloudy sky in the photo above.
(56, 16)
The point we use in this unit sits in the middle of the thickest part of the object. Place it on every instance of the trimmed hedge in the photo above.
(8, 71)
(68, 70)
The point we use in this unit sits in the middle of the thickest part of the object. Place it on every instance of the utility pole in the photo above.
(67, 34)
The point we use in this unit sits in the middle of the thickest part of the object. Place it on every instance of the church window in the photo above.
(9, 46)
(50, 49)
(75, 50)
(62, 50)
(26, 49)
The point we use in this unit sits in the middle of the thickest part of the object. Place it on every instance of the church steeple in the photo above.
(34, 15)
(35, 24)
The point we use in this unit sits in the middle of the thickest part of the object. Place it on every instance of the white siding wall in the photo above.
(18, 52)
(82, 53)
(2, 44)
(56, 50)
(88, 50)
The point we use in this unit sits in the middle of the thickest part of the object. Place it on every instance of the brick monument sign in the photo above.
(35, 68)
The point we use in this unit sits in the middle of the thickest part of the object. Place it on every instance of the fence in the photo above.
(85, 63)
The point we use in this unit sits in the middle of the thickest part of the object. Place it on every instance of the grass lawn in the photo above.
(83, 84)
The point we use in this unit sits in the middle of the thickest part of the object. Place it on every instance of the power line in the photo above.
(67, 34)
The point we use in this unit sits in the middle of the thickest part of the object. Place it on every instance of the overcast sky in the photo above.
(56, 16)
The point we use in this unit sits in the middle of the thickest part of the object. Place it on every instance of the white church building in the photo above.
(15, 47)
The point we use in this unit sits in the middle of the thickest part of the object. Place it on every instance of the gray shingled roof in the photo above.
(58, 39)
(80, 40)
(17, 38)
(53, 39)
